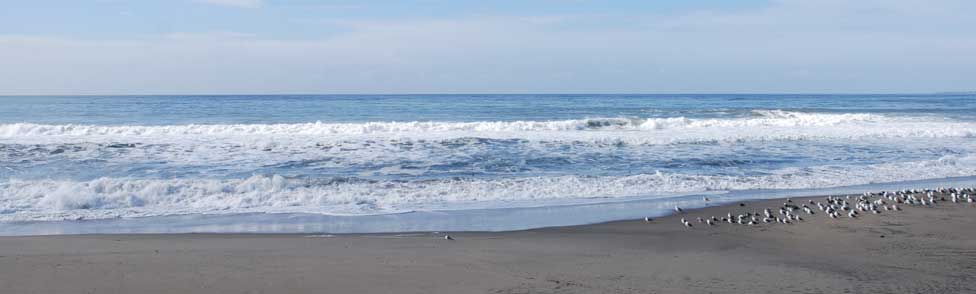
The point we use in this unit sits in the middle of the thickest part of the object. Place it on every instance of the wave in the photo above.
(760, 126)
(761, 118)
(122, 197)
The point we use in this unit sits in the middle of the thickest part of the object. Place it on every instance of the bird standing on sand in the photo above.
(448, 237)
(678, 209)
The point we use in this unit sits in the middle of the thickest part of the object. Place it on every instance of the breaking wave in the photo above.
(760, 125)
(124, 197)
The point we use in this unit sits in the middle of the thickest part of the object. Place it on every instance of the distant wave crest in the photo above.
(761, 118)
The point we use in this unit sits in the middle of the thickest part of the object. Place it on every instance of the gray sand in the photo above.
(924, 250)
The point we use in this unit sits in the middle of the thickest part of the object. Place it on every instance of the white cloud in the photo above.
(234, 3)
(790, 46)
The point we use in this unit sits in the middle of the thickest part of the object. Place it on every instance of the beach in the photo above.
(916, 250)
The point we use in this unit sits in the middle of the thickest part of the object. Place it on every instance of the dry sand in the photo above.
(923, 250)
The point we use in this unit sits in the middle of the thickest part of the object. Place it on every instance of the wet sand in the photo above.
(917, 250)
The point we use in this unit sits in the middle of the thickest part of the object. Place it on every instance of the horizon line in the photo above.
(498, 94)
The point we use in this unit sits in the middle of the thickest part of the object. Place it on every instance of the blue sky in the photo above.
(506, 46)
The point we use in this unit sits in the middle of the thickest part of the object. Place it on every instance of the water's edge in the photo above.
(492, 219)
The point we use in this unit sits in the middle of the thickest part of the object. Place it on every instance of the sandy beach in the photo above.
(917, 250)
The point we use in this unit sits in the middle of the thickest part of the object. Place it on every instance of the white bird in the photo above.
(709, 222)
(448, 237)
(706, 199)
(647, 219)
(678, 209)
(685, 222)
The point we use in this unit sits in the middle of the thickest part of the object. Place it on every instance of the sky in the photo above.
(100, 47)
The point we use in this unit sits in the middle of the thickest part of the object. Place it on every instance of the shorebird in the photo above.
(647, 219)
(709, 222)
(685, 222)
(706, 199)
(448, 237)
(678, 209)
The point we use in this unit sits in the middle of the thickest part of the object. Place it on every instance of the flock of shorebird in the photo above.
(835, 207)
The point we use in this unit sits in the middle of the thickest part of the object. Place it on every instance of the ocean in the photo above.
(384, 163)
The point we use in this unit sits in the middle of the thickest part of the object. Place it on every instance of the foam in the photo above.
(761, 125)
(125, 197)
(761, 118)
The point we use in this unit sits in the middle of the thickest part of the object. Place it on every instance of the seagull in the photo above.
(647, 219)
(709, 222)
(706, 199)
(678, 209)
(685, 222)
(448, 237)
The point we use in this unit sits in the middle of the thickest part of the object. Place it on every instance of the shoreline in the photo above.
(470, 220)
(924, 250)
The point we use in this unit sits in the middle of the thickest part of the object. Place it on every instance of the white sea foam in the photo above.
(123, 197)
(769, 118)
(769, 125)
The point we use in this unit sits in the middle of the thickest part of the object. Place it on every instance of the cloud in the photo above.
(234, 3)
(789, 46)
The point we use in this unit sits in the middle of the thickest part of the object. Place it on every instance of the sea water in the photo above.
(365, 163)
